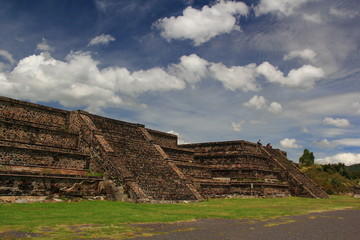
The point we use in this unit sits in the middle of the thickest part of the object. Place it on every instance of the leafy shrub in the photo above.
(329, 179)
(329, 191)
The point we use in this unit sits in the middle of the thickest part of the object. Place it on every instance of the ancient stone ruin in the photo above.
(52, 153)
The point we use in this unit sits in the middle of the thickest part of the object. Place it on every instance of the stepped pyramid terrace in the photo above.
(48, 153)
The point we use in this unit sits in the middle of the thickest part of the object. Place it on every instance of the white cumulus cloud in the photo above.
(289, 143)
(202, 25)
(237, 127)
(78, 81)
(7, 87)
(337, 122)
(191, 68)
(102, 39)
(256, 102)
(43, 46)
(346, 158)
(259, 102)
(235, 77)
(275, 107)
(302, 78)
(307, 54)
(155, 79)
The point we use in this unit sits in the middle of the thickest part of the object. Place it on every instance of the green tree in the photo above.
(307, 158)
(338, 168)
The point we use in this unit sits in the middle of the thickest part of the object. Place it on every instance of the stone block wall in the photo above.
(35, 157)
(39, 153)
(48, 186)
(194, 170)
(50, 151)
(23, 133)
(232, 159)
(216, 190)
(221, 147)
(11, 109)
(163, 139)
(179, 154)
(231, 168)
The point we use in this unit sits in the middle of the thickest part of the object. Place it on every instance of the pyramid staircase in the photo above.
(127, 153)
(234, 168)
(301, 185)
(48, 152)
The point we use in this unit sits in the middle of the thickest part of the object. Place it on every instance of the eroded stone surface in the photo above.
(51, 152)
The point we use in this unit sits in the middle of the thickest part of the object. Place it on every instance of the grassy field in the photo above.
(96, 219)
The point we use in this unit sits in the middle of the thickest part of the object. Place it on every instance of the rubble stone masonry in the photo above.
(47, 152)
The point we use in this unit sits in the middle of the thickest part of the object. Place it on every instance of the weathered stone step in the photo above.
(146, 162)
(26, 134)
(10, 144)
(62, 128)
(38, 147)
(29, 113)
(36, 185)
(229, 154)
(38, 170)
(309, 186)
(22, 156)
(229, 181)
(48, 176)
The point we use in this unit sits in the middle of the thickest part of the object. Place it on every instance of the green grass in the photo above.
(110, 219)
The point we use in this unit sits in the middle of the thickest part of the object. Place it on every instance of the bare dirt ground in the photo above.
(333, 225)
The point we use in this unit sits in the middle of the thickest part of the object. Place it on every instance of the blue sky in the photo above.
(283, 71)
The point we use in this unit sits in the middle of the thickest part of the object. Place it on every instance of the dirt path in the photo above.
(333, 225)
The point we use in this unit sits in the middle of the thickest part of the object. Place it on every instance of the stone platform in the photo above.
(52, 152)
